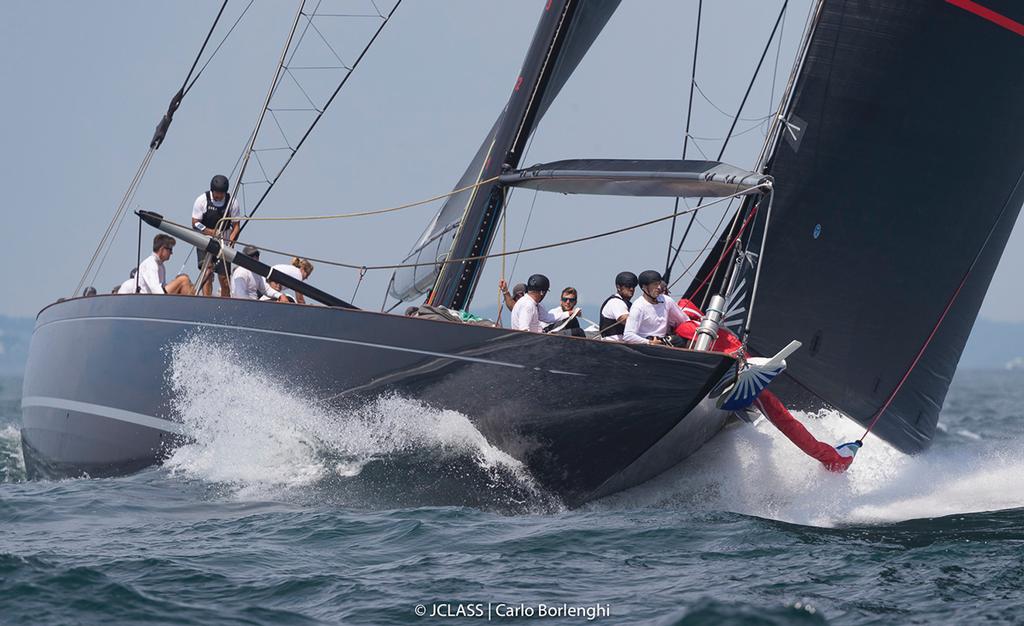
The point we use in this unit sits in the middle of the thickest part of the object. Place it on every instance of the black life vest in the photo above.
(610, 326)
(212, 215)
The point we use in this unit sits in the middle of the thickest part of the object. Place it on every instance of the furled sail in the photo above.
(564, 34)
(894, 199)
(637, 177)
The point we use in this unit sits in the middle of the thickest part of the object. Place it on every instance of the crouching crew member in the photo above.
(207, 212)
(615, 310)
(300, 269)
(153, 276)
(526, 315)
(653, 315)
(249, 286)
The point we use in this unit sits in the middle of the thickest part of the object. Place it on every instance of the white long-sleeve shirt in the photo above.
(291, 270)
(526, 315)
(127, 286)
(559, 313)
(652, 320)
(249, 286)
(152, 275)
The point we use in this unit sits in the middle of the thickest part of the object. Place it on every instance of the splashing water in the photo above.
(757, 471)
(253, 431)
(12, 463)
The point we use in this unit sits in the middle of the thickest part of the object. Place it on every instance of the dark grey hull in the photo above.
(585, 416)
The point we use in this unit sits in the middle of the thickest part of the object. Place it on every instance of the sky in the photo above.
(86, 82)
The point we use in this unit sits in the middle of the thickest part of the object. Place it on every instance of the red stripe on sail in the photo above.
(990, 15)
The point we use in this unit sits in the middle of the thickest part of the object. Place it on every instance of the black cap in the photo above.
(219, 183)
(625, 279)
(538, 282)
(648, 277)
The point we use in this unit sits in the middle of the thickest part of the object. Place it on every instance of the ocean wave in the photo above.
(756, 471)
(266, 438)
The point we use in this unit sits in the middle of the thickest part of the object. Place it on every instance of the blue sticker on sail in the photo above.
(817, 231)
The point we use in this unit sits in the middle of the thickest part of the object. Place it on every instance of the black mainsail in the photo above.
(465, 224)
(896, 188)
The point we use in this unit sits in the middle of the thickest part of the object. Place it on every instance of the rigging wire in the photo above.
(109, 235)
(300, 218)
(945, 311)
(319, 116)
(669, 261)
(732, 127)
(507, 252)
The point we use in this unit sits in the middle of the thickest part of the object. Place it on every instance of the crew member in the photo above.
(653, 315)
(512, 297)
(615, 310)
(152, 275)
(128, 286)
(566, 307)
(299, 269)
(249, 286)
(207, 212)
(526, 315)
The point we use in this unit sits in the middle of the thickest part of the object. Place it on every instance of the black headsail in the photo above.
(897, 186)
(466, 223)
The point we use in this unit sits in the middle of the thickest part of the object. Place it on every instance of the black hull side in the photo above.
(577, 412)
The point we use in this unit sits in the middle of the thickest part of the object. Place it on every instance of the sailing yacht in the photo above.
(868, 231)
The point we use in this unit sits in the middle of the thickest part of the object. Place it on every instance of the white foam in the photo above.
(12, 462)
(254, 431)
(754, 470)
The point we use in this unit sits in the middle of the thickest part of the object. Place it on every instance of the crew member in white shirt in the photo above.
(653, 315)
(153, 276)
(565, 308)
(299, 269)
(207, 212)
(526, 315)
(249, 286)
(615, 310)
(128, 286)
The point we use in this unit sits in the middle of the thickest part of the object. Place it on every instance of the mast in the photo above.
(465, 225)
(456, 282)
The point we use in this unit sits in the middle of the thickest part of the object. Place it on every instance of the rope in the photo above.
(299, 218)
(504, 253)
(115, 220)
(669, 259)
(107, 239)
(725, 252)
(188, 86)
(743, 103)
(362, 272)
(320, 115)
(945, 311)
(504, 279)
(138, 256)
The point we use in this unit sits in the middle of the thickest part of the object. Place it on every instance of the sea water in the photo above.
(398, 513)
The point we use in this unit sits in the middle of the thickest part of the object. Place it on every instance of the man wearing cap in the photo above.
(512, 297)
(207, 212)
(526, 315)
(615, 310)
(249, 286)
(652, 315)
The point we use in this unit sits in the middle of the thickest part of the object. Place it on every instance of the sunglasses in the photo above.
(568, 299)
